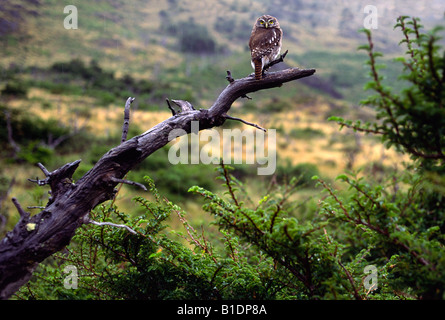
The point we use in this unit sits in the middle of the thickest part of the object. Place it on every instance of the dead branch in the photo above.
(126, 119)
(3, 197)
(111, 224)
(23, 214)
(131, 183)
(11, 140)
(245, 122)
(276, 61)
(37, 237)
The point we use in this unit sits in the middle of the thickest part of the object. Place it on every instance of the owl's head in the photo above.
(267, 21)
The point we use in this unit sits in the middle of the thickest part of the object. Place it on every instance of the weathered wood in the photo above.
(37, 237)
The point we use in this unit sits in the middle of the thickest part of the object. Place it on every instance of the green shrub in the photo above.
(97, 82)
(413, 120)
(31, 133)
(302, 172)
(15, 88)
(306, 133)
(195, 38)
(34, 152)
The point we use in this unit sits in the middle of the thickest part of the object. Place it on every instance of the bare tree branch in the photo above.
(44, 170)
(23, 214)
(11, 140)
(131, 183)
(244, 121)
(276, 61)
(111, 224)
(126, 119)
(49, 231)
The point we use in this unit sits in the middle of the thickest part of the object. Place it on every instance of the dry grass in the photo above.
(327, 151)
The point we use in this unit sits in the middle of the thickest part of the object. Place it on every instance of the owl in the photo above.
(264, 43)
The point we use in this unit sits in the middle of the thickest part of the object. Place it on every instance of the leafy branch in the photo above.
(403, 115)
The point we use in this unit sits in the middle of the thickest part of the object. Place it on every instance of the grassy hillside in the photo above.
(145, 38)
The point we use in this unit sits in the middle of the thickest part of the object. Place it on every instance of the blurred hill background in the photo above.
(149, 38)
(63, 91)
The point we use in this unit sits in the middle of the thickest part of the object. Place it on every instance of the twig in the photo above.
(244, 121)
(272, 222)
(110, 224)
(5, 195)
(231, 80)
(44, 170)
(126, 119)
(276, 61)
(348, 275)
(351, 280)
(228, 179)
(184, 105)
(11, 140)
(192, 232)
(170, 107)
(23, 214)
(229, 77)
(38, 181)
(131, 183)
(356, 128)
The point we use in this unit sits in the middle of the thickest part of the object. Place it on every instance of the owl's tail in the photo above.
(258, 69)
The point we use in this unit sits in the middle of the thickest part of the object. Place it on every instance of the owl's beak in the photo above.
(266, 25)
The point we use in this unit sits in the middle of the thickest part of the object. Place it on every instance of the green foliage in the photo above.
(413, 120)
(306, 133)
(31, 133)
(15, 88)
(302, 172)
(35, 152)
(174, 180)
(276, 105)
(99, 83)
(406, 224)
(192, 37)
(196, 40)
(113, 264)
(263, 252)
(401, 228)
(235, 28)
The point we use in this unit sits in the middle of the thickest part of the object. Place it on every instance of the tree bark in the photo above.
(35, 238)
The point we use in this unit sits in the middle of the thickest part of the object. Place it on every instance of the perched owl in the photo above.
(264, 43)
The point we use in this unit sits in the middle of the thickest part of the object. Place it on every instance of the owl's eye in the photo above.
(261, 21)
(271, 22)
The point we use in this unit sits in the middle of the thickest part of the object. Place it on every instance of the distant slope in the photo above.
(143, 38)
